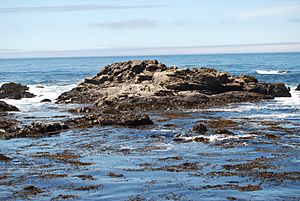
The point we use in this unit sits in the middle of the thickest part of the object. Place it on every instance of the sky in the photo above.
(51, 28)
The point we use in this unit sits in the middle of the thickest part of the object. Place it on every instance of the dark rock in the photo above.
(45, 101)
(4, 158)
(164, 93)
(201, 139)
(32, 190)
(8, 125)
(223, 131)
(185, 86)
(14, 91)
(115, 175)
(275, 90)
(37, 129)
(131, 120)
(137, 66)
(4, 107)
(199, 128)
(298, 88)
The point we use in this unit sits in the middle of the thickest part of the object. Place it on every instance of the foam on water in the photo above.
(212, 138)
(291, 101)
(41, 92)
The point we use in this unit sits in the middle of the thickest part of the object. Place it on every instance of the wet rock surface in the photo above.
(150, 85)
(8, 124)
(46, 101)
(199, 128)
(14, 91)
(4, 158)
(4, 107)
(10, 128)
(130, 120)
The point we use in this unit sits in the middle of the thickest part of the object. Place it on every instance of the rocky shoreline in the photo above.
(123, 91)
(141, 125)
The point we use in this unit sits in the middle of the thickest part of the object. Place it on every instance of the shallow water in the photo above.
(113, 163)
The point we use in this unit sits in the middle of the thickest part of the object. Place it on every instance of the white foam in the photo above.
(291, 101)
(41, 92)
(212, 138)
(271, 72)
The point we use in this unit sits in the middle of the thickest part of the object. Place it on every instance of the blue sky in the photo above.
(137, 27)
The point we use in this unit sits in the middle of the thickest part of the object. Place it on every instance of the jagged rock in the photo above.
(275, 89)
(149, 85)
(14, 91)
(37, 129)
(199, 128)
(8, 125)
(131, 120)
(4, 107)
(298, 87)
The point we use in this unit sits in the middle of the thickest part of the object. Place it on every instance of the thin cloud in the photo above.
(126, 24)
(74, 8)
(133, 51)
(271, 11)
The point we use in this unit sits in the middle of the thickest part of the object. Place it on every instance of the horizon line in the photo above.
(288, 47)
(148, 55)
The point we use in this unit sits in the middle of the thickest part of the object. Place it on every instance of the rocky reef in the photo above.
(122, 92)
(14, 91)
(150, 85)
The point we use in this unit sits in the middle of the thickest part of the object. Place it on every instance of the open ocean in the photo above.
(128, 152)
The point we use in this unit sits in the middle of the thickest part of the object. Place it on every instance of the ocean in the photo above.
(131, 164)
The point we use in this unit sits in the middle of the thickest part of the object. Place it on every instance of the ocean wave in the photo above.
(271, 72)
(42, 92)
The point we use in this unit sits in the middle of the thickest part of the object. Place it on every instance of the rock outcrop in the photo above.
(129, 120)
(4, 107)
(8, 125)
(36, 129)
(10, 128)
(149, 85)
(298, 87)
(14, 91)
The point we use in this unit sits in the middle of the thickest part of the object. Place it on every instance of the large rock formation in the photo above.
(149, 85)
(14, 91)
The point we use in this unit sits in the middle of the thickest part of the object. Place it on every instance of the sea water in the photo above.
(136, 154)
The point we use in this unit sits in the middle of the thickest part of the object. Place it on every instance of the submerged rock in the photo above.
(199, 128)
(149, 85)
(4, 107)
(14, 91)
